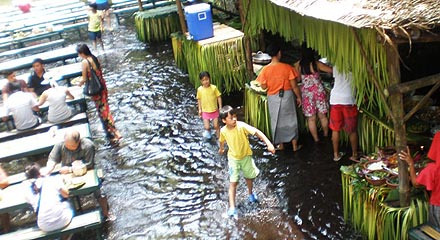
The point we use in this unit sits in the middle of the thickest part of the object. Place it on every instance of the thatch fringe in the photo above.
(156, 25)
(338, 43)
(385, 14)
(224, 60)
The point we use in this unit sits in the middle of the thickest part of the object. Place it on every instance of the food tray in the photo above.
(376, 182)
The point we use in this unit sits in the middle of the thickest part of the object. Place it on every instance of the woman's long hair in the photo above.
(307, 57)
(84, 49)
(33, 172)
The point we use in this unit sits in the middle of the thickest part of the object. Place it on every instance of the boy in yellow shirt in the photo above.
(235, 134)
(95, 25)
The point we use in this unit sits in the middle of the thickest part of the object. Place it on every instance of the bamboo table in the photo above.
(38, 143)
(76, 91)
(50, 56)
(13, 197)
(58, 73)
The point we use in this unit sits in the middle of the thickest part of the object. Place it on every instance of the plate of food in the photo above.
(75, 183)
(377, 177)
(374, 165)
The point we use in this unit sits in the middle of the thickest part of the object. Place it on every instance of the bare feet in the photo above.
(280, 147)
(297, 148)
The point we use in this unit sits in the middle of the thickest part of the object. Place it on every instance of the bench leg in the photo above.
(99, 233)
(117, 19)
(6, 222)
(77, 203)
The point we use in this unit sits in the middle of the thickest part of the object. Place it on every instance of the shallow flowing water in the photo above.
(165, 182)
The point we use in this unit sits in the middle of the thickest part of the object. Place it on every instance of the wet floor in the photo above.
(165, 182)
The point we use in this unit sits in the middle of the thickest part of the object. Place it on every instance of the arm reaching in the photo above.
(42, 99)
(69, 94)
(4, 182)
(406, 156)
(263, 138)
(323, 67)
(221, 149)
(219, 101)
(84, 67)
(199, 105)
(296, 91)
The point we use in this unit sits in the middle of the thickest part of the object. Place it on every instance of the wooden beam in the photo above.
(181, 17)
(141, 8)
(373, 75)
(224, 10)
(421, 39)
(396, 100)
(413, 85)
(422, 102)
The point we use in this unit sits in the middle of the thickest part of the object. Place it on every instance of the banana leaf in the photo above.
(157, 24)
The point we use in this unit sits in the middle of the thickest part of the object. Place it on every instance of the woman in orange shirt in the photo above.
(280, 81)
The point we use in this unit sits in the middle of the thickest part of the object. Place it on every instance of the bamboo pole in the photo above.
(141, 8)
(247, 41)
(181, 17)
(396, 100)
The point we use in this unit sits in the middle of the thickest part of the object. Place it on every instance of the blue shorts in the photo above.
(94, 35)
(103, 6)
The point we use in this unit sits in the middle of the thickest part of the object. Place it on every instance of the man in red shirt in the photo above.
(428, 177)
(10, 75)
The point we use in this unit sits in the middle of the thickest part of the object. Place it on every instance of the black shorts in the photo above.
(94, 35)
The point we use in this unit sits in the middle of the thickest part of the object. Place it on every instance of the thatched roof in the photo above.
(387, 14)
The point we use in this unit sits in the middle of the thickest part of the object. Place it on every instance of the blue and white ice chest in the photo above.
(199, 21)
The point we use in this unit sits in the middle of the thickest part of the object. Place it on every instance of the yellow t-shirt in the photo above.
(237, 140)
(208, 98)
(95, 21)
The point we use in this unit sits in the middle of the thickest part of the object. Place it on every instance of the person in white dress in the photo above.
(48, 197)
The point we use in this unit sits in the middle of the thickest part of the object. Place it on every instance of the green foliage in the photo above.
(336, 42)
(256, 111)
(224, 60)
(179, 58)
(365, 208)
(156, 25)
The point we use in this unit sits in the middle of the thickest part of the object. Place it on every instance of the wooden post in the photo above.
(181, 17)
(141, 8)
(247, 41)
(396, 100)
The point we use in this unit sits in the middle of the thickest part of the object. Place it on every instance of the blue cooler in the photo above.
(199, 21)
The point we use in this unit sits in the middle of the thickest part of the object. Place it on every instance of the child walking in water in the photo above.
(235, 134)
(95, 26)
(209, 101)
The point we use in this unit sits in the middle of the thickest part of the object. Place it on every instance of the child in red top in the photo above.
(428, 177)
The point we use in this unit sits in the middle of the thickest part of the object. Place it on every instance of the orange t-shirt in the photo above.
(277, 76)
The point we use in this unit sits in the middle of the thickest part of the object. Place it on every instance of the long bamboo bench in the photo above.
(129, 4)
(37, 143)
(60, 54)
(23, 51)
(87, 221)
(9, 135)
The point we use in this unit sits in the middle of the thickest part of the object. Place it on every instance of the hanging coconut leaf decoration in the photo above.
(224, 60)
(337, 42)
(367, 211)
(156, 25)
